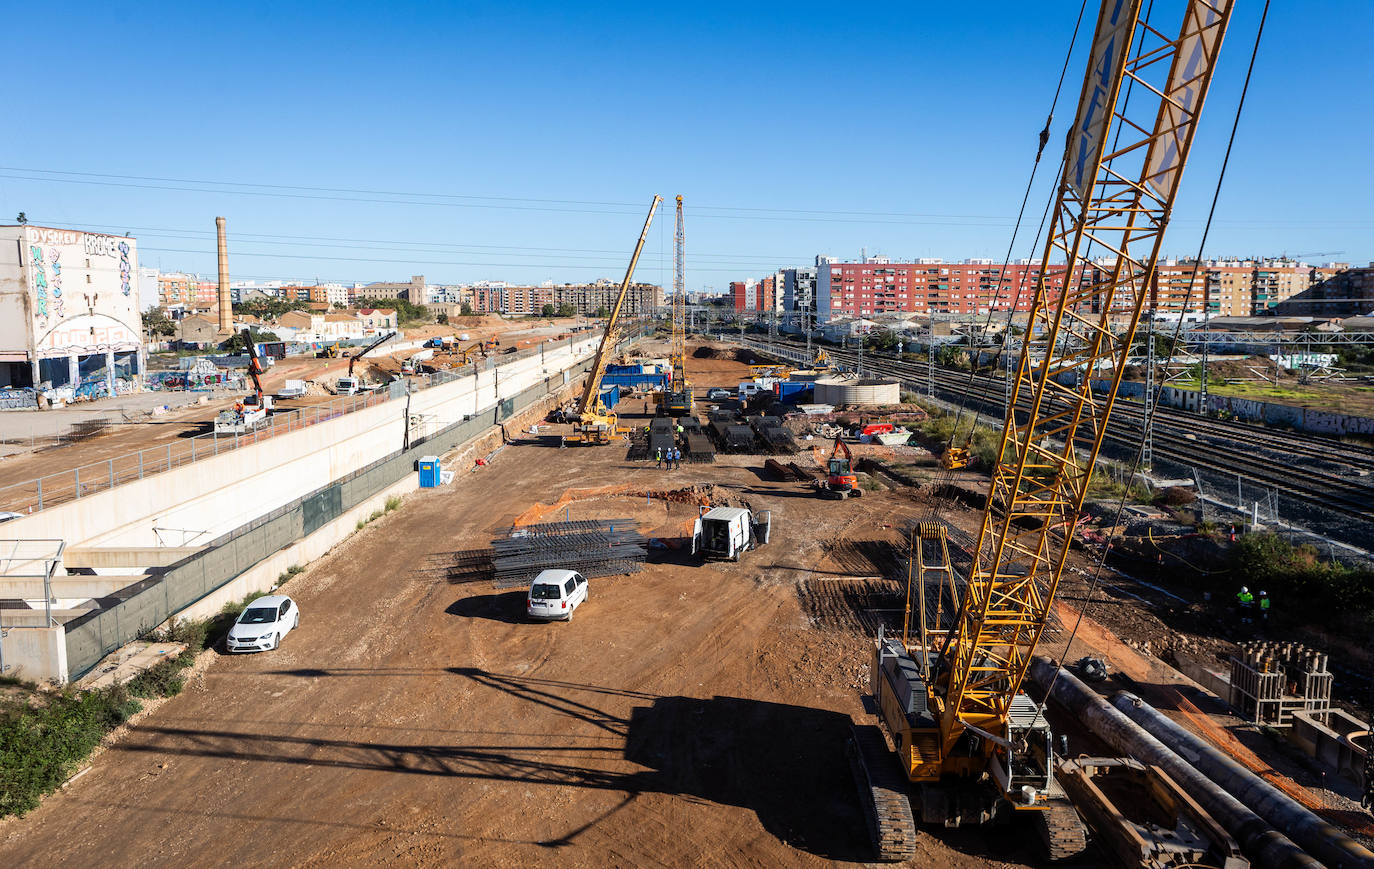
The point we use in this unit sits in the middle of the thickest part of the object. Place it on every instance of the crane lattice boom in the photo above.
(1123, 162)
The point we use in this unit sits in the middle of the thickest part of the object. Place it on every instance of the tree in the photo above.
(339, 306)
(465, 310)
(442, 318)
(602, 312)
(235, 343)
(567, 309)
(157, 323)
(406, 313)
(548, 311)
(269, 307)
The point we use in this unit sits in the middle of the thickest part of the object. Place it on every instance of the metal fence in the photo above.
(149, 603)
(32, 496)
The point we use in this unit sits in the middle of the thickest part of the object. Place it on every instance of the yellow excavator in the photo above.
(594, 423)
(970, 747)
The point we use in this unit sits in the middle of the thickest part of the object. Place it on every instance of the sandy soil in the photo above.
(688, 715)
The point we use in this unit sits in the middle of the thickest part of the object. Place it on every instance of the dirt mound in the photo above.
(729, 354)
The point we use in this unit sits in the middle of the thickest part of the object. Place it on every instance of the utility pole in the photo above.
(930, 365)
(1147, 447)
(1006, 367)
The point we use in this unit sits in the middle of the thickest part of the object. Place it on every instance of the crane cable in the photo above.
(1140, 450)
(1006, 261)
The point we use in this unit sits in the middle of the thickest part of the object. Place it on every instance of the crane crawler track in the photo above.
(1062, 832)
(883, 793)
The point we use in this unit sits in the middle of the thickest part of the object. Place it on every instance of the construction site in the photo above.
(634, 595)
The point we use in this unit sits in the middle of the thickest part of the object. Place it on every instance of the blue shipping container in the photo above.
(793, 391)
(610, 397)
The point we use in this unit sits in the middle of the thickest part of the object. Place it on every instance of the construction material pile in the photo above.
(592, 547)
(698, 447)
(773, 434)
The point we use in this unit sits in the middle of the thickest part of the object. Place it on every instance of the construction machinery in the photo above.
(349, 384)
(595, 422)
(840, 481)
(975, 747)
(329, 351)
(956, 458)
(677, 401)
(251, 412)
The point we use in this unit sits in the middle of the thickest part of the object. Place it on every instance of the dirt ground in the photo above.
(688, 715)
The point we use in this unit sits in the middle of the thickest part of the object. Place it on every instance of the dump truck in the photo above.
(724, 533)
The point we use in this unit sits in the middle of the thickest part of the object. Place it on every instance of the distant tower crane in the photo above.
(677, 401)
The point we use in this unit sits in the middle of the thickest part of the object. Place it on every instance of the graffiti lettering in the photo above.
(59, 305)
(39, 276)
(103, 245)
(124, 273)
(35, 235)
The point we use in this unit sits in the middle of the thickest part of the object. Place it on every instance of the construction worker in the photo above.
(677, 457)
(658, 458)
(1245, 601)
(1264, 606)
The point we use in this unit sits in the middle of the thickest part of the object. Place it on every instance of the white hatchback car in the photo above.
(263, 623)
(554, 594)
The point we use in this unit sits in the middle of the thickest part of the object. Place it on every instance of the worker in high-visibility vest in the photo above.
(1245, 601)
(1264, 606)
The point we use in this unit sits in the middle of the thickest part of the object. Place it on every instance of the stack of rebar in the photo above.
(698, 447)
(739, 439)
(773, 435)
(661, 436)
(592, 547)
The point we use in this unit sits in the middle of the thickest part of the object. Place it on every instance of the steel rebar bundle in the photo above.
(592, 547)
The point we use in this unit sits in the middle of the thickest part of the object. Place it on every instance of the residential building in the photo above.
(341, 325)
(377, 319)
(928, 286)
(799, 290)
(199, 330)
(1347, 293)
(69, 310)
(148, 293)
(186, 293)
(330, 294)
(413, 291)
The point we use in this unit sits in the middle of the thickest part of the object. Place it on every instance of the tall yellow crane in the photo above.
(677, 401)
(595, 422)
(977, 747)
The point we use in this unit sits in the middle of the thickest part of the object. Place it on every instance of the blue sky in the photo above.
(525, 140)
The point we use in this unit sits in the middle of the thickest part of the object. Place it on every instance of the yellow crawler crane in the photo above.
(976, 748)
(595, 422)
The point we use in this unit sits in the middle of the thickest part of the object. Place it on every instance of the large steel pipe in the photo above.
(1319, 837)
(1260, 842)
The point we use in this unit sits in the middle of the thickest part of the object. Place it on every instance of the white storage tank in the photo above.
(851, 390)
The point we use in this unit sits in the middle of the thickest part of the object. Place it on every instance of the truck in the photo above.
(724, 533)
(293, 389)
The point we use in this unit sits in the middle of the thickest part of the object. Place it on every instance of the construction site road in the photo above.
(688, 715)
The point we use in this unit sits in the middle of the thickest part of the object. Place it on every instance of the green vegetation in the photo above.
(465, 310)
(1304, 588)
(157, 324)
(45, 736)
(270, 308)
(406, 313)
(236, 344)
(393, 502)
(940, 429)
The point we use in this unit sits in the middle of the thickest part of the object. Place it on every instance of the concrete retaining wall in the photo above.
(36, 654)
(1330, 742)
(195, 503)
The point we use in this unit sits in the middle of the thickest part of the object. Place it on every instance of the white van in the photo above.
(554, 594)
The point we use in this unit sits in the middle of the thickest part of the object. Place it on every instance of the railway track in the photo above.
(1332, 475)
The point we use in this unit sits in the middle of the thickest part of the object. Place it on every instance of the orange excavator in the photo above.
(841, 482)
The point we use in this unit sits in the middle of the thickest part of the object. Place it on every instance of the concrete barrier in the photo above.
(1341, 741)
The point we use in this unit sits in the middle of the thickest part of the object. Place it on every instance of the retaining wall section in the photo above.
(193, 504)
(296, 532)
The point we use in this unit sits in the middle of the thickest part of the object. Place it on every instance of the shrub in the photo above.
(42, 744)
(376, 514)
(1302, 586)
(393, 503)
(164, 678)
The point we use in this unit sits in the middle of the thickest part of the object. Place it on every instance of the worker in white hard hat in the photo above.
(1246, 603)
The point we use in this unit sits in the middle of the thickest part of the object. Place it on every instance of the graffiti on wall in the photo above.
(38, 274)
(59, 306)
(124, 267)
(11, 399)
(191, 381)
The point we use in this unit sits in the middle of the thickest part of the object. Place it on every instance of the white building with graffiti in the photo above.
(69, 315)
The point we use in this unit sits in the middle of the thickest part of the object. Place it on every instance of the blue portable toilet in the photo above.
(429, 472)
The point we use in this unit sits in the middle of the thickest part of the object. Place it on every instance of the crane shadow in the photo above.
(785, 763)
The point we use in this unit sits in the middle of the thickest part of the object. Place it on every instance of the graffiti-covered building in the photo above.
(69, 316)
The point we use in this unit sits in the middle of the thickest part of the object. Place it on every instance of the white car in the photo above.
(263, 623)
(554, 594)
